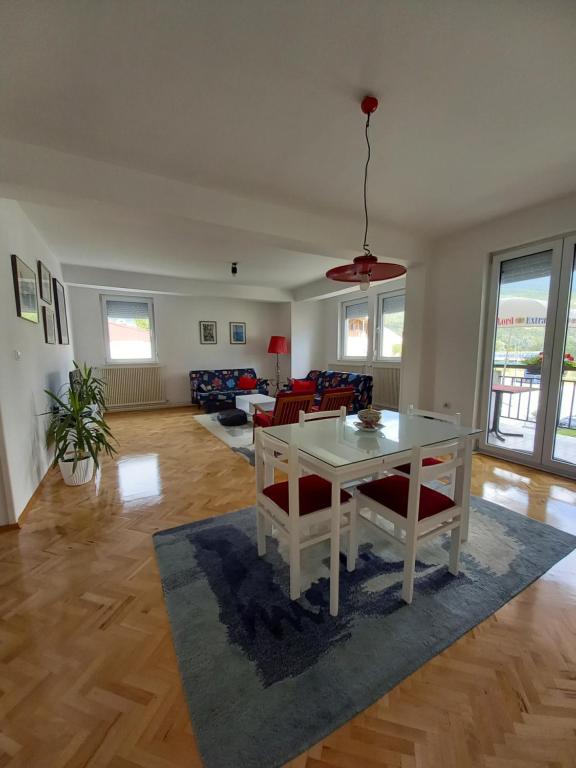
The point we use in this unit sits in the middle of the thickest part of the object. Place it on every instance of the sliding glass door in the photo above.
(559, 450)
(529, 381)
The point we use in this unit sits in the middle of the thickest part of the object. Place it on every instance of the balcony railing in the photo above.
(524, 406)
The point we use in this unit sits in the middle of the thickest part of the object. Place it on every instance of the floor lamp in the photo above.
(279, 346)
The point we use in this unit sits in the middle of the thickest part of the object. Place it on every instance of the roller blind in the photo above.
(126, 309)
(357, 310)
(392, 305)
(526, 267)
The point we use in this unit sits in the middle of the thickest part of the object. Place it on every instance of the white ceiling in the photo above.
(116, 238)
(477, 115)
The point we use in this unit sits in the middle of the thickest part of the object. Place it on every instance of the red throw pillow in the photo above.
(247, 382)
(304, 387)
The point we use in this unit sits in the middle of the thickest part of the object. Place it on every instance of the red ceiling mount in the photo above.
(366, 268)
(369, 105)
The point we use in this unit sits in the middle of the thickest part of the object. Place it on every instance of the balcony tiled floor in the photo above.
(565, 448)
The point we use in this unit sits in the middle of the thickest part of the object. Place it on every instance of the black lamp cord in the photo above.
(365, 245)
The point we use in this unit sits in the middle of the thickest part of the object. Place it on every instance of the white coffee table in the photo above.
(246, 403)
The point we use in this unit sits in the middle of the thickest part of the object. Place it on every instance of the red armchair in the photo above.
(333, 399)
(286, 410)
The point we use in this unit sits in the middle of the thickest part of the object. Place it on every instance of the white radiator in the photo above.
(385, 382)
(386, 391)
(133, 385)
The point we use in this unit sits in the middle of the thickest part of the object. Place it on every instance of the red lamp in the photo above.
(366, 267)
(278, 345)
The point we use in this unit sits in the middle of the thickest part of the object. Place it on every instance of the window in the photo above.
(129, 329)
(354, 341)
(391, 325)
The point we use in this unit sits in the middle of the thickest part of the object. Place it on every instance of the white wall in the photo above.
(22, 382)
(177, 335)
(452, 344)
(307, 337)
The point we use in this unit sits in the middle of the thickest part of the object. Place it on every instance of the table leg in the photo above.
(335, 549)
(495, 427)
(496, 416)
(466, 482)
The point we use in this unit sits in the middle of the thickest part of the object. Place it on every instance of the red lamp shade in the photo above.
(365, 268)
(278, 345)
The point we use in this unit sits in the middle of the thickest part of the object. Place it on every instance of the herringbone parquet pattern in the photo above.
(88, 676)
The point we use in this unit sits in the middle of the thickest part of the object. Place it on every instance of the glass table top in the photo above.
(341, 443)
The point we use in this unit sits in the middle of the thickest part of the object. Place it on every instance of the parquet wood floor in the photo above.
(88, 676)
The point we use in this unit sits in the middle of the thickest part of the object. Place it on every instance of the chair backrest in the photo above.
(420, 474)
(272, 454)
(332, 399)
(312, 415)
(288, 406)
(447, 417)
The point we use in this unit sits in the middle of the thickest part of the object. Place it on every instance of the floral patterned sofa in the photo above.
(216, 390)
(329, 379)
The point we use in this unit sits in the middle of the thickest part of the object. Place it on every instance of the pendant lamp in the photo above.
(366, 268)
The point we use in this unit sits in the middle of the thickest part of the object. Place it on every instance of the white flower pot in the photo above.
(82, 474)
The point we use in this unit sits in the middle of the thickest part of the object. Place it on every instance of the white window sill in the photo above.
(139, 363)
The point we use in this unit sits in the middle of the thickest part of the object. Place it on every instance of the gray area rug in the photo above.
(266, 678)
(239, 439)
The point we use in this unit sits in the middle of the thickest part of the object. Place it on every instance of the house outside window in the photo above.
(129, 329)
(354, 329)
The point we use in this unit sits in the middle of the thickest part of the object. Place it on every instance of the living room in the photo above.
(287, 384)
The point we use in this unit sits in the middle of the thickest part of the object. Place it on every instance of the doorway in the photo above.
(529, 384)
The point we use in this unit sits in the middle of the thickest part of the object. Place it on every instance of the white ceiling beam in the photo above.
(38, 174)
(134, 282)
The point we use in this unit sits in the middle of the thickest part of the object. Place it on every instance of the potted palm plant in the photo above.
(77, 429)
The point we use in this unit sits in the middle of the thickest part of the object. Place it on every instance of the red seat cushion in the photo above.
(247, 382)
(262, 419)
(392, 492)
(431, 462)
(315, 493)
(303, 386)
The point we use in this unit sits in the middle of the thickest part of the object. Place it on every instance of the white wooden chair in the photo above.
(298, 510)
(415, 510)
(450, 477)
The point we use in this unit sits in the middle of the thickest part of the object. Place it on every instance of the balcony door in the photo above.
(529, 408)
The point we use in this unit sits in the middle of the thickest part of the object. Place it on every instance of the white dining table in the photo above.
(338, 451)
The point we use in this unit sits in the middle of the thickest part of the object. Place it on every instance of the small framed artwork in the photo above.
(45, 281)
(49, 325)
(25, 290)
(237, 333)
(208, 332)
(60, 307)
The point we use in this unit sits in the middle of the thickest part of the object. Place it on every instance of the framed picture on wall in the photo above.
(49, 325)
(237, 333)
(25, 290)
(208, 332)
(45, 282)
(60, 307)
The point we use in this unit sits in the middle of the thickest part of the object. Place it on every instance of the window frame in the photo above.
(153, 359)
(381, 297)
(342, 323)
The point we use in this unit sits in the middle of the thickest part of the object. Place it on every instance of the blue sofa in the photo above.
(330, 379)
(217, 390)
